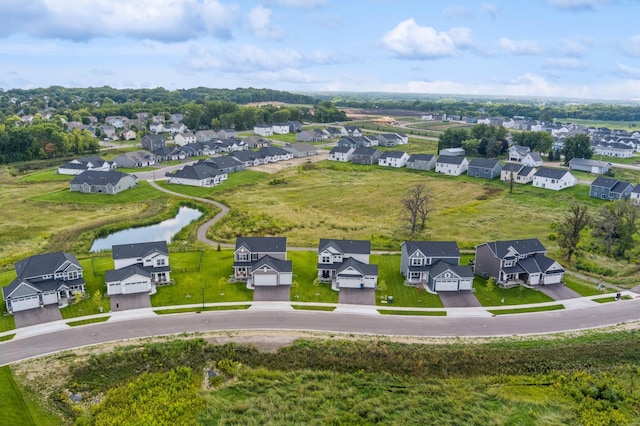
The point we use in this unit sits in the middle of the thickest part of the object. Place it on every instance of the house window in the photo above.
(416, 261)
(326, 259)
(72, 275)
(254, 256)
(243, 257)
(508, 263)
(160, 262)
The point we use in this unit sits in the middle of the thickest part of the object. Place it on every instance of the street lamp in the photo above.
(203, 298)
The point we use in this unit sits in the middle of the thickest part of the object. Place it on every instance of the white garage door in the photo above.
(135, 287)
(446, 285)
(113, 288)
(265, 280)
(553, 279)
(466, 284)
(25, 303)
(50, 298)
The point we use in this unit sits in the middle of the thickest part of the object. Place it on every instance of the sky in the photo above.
(551, 48)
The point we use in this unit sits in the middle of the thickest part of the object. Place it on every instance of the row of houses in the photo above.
(261, 262)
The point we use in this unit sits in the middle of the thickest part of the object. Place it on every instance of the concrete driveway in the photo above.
(37, 316)
(558, 291)
(122, 302)
(272, 294)
(357, 296)
(459, 299)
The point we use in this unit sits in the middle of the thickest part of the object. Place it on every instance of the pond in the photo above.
(164, 230)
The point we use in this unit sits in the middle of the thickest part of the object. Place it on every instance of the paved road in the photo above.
(266, 319)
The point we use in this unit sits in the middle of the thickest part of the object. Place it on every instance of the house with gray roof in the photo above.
(206, 135)
(610, 189)
(486, 168)
(421, 162)
(138, 268)
(517, 172)
(135, 159)
(517, 152)
(390, 139)
(310, 136)
(225, 163)
(590, 166)
(43, 279)
(613, 149)
(99, 182)
(248, 158)
(531, 159)
(634, 197)
(256, 142)
(452, 165)
(555, 179)
(151, 142)
(79, 165)
(200, 174)
(262, 261)
(345, 264)
(272, 154)
(364, 155)
(301, 149)
(393, 159)
(516, 262)
(341, 153)
(434, 264)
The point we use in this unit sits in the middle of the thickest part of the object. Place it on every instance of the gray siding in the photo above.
(486, 263)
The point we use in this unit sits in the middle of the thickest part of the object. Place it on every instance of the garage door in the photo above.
(135, 287)
(50, 298)
(446, 285)
(265, 280)
(553, 279)
(466, 284)
(25, 303)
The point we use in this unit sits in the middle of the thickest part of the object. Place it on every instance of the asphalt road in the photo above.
(384, 325)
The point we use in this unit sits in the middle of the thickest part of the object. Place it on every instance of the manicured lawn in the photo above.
(234, 180)
(7, 337)
(7, 322)
(45, 176)
(512, 296)
(93, 273)
(87, 321)
(135, 170)
(140, 193)
(405, 296)
(215, 269)
(305, 271)
(527, 310)
(17, 407)
(206, 309)
(611, 299)
(313, 308)
(418, 313)
(582, 287)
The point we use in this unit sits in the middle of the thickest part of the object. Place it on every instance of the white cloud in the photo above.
(628, 71)
(259, 21)
(165, 20)
(307, 4)
(519, 47)
(564, 63)
(412, 41)
(253, 59)
(632, 46)
(572, 48)
(457, 12)
(577, 4)
(491, 9)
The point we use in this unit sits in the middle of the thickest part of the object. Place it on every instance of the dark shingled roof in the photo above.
(275, 264)
(263, 244)
(463, 271)
(43, 264)
(551, 173)
(421, 157)
(484, 163)
(126, 272)
(98, 177)
(450, 159)
(363, 268)
(512, 167)
(501, 248)
(346, 246)
(433, 248)
(392, 154)
(129, 251)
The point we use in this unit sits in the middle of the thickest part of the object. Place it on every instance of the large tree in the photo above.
(577, 146)
(576, 219)
(416, 206)
(615, 225)
(537, 141)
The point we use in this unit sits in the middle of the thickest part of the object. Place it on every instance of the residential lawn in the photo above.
(93, 270)
(138, 194)
(7, 337)
(305, 271)
(418, 313)
(215, 269)
(313, 308)
(512, 296)
(627, 175)
(527, 310)
(45, 176)
(7, 322)
(611, 299)
(630, 160)
(87, 321)
(582, 287)
(405, 296)
(134, 170)
(289, 138)
(18, 407)
(199, 309)
(233, 182)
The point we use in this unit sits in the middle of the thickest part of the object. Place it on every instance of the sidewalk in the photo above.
(132, 314)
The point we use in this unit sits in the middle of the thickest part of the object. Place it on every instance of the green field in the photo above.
(45, 176)
(513, 296)
(142, 192)
(235, 181)
(18, 406)
(527, 310)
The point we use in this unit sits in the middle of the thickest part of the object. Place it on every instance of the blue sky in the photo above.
(560, 48)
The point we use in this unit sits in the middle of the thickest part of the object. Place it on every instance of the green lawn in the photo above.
(417, 313)
(18, 407)
(512, 296)
(134, 170)
(305, 271)
(45, 176)
(87, 321)
(527, 310)
(138, 194)
(405, 296)
(234, 181)
(93, 273)
(582, 287)
(7, 322)
(199, 309)
(215, 269)
(611, 299)
(7, 337)
(313, 308)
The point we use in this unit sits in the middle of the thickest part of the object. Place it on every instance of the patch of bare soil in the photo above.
(281, 165)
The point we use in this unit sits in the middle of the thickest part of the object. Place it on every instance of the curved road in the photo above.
(607, 314)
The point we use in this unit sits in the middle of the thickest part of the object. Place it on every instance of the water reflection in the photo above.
(164, 230)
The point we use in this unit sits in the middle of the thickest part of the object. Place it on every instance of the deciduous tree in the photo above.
(577, 146)
(416, 206)
(576, 219)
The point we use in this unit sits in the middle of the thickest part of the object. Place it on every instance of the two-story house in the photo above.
(138, 267)
(517, 262)
(610, 189)
(451, 165)
(341, 153)
(486, 168)
(43, 279)
(555, 179)
(262, 261)
(152, 142)
(393, 159)
(421, 162)
(435, 264)
(345, 264)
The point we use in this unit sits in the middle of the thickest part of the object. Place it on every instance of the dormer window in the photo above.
(325, 259)
(508, 263)
(254, 256)
(243, 257)
(160, 262)
(416, 261)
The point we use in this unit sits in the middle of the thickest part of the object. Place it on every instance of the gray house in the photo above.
(435, 264)
(43, 279)
(345, 264)
(610, 189)
(301, 149)
(517, 262)
(152, 142)
(135, 159)
(226, 164)
(249, 251)
(421, 162)
(99, 182)
(590, 166)
(367, 156)
(484, 168)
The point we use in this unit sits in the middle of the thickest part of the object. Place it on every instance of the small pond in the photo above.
(164, 230)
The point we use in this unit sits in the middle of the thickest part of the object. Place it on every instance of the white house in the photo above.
(138, 267)
(341, 153)
(182, 139)
(393, 159)
(280, 128)
(555, 179)
(199, 174)
(263, 130)
(531, 159)
(77, 166)
(451, 165)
